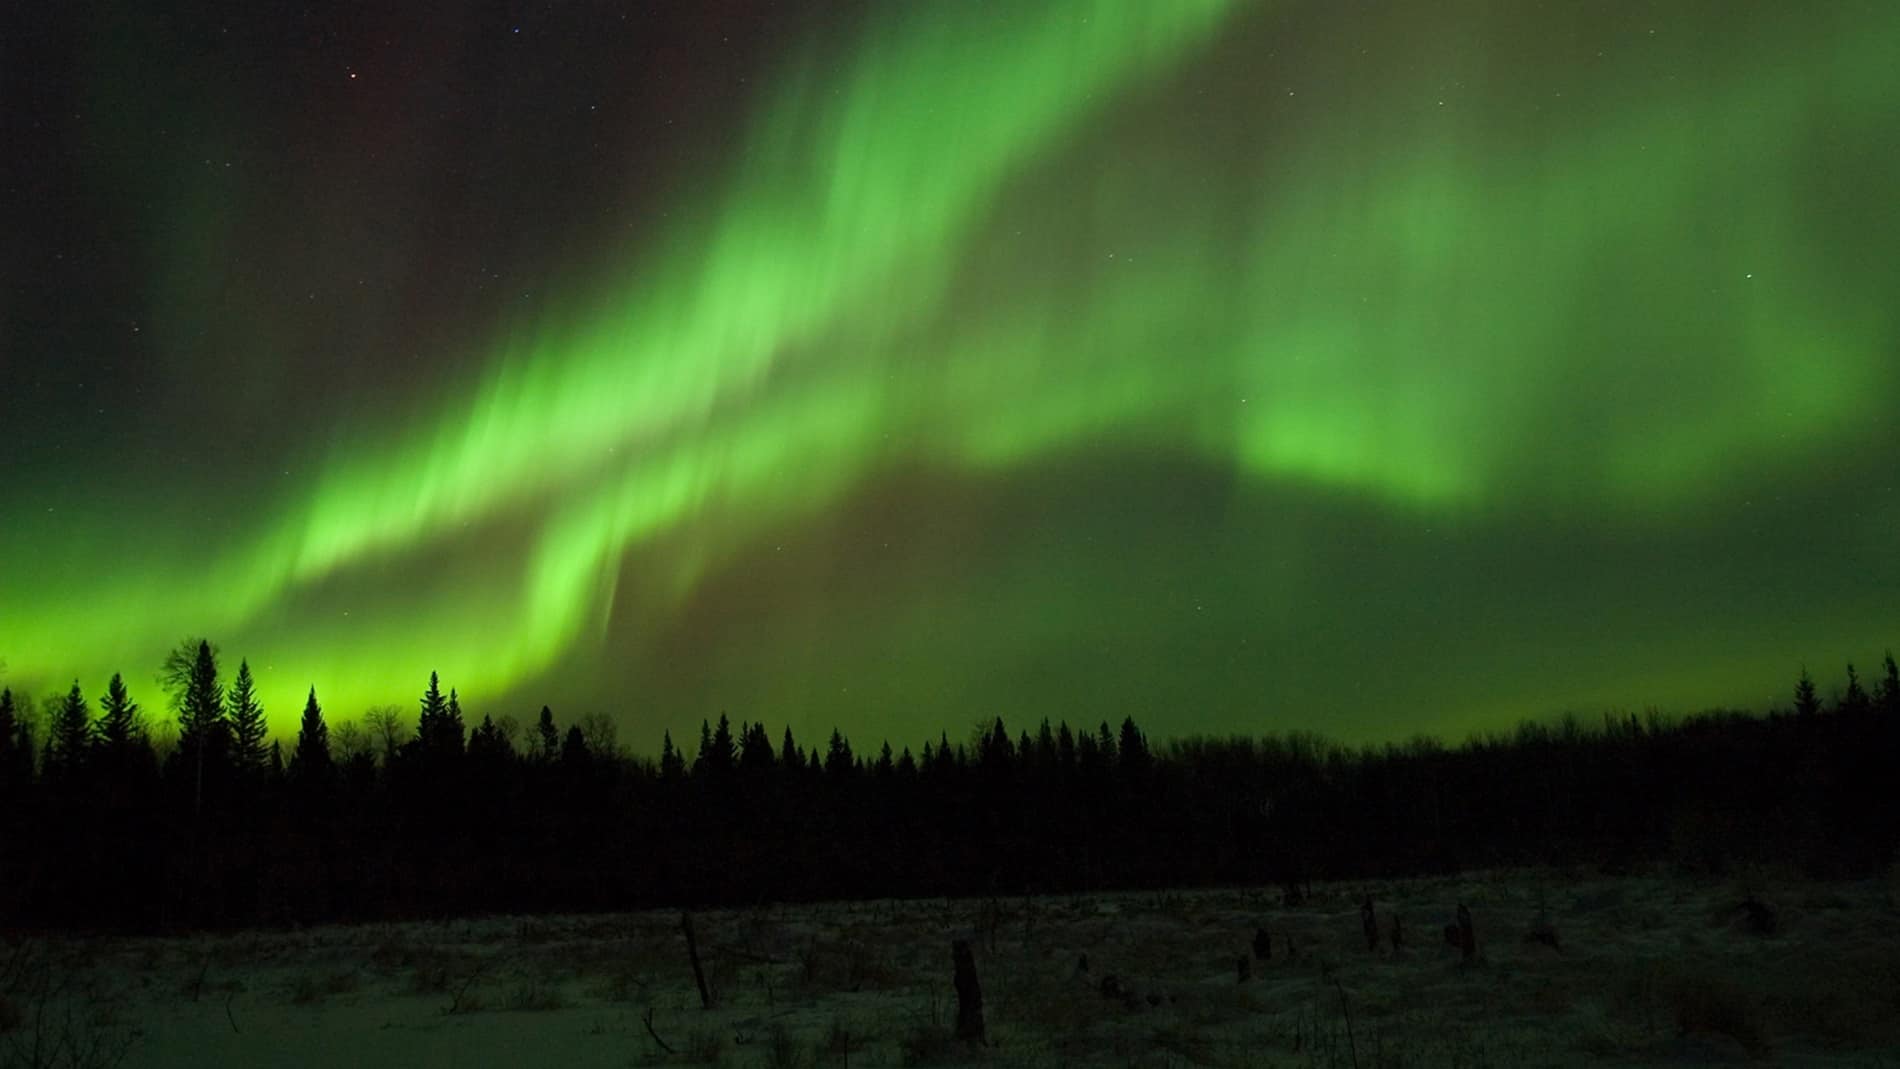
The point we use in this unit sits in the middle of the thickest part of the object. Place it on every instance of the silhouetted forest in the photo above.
(111, 818)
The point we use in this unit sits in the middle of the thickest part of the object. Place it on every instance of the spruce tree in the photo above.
(311, 760)
(838, 763)
(723, 757)
(1806, 702)
(550, 736)
(118, 718)
(1133, 759)
(250, 751)
(1855, 701)
(70, 736)
(788, 751)
(672, 766)
(1889, 690)
(574, 752)
(435, 710)
(450, 728)
(203, 734)
(10, 750)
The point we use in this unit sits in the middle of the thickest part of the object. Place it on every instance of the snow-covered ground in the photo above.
(1647, 970)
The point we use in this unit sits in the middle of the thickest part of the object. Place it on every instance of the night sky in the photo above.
(1366, 368)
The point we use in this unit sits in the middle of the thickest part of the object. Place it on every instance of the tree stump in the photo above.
(969, 994)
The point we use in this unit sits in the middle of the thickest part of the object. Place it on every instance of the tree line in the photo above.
(119, 820)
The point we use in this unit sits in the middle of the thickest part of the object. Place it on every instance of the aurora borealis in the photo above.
(1350, 367)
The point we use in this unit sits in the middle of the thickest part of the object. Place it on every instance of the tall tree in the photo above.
(250, 749)
(203, 734)
(451, 732)
(310, 762)
(1806, 702)
(1855, 701)
(723, 757)
(1889, 691)
(550, 736)
(788, 751)
(10, 745)
(435, 709)
(118, 718)
(838, 762)
(1133, 759)
(70, 736)
(672, 765)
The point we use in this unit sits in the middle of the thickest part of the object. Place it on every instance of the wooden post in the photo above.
(692, 952)
(969, 994)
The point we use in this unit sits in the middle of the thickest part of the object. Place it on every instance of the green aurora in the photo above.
(1234, 366)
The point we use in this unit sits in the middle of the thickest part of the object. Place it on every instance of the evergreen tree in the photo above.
(1855, 701)
(672, 765)
(1065, 747)
(118, 719)
(203, 735)
(1806, 703)
(11, 750)
(722, 757)
(704, 755)
(249, 752)
(484, 743)
(755, 750)
(69, 737)
(450, 729)
(311, 760)
(276, 767)
(1890, 687)
(906, 764)
(838, 763)
(550, 736)
(1134, 759)
(788, 752)
(574, 755)
(430, 721)
(886, 763)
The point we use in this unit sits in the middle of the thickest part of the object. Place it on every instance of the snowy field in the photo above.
(1644, 971)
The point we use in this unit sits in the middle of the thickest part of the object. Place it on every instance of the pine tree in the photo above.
(70, 736)
(574, 754)
(755, 750)
(249, 750)
(452, 731)
(1855, 701)
(1806, 703)
(838, 763)
(1890, 687)
(10, 747)
(672, 766)
(1134, 759)
(118, 719)
(886, 762)
(276, 761)
(788, 752)
(204, 736)
(722, 758)
(311, 760)
(550, 736)
(430, 721)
